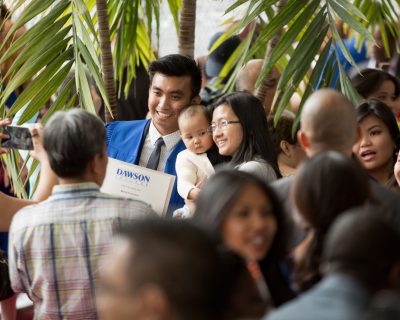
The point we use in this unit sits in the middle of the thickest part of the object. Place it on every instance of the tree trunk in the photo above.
(106, 60)
(269, 82)
(187, 27)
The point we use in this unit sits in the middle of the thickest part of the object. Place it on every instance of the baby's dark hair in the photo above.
(192, 110)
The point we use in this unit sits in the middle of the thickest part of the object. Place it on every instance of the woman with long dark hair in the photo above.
(324, 187)
(248, 219)
(240, 130)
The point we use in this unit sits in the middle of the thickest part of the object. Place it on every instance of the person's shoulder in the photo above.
(24, 216)
(283, 183)
(184, 154)
(294, 310)
(120, 125)
(260, 168)
(129, 204)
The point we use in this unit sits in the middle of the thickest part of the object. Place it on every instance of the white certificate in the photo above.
(131, 181)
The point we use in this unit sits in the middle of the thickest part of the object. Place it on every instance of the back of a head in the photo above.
(283, 130)
(384, 306)
(179, 258)
(248, 74)
(177, 65)
(363, 244)
(329, 121)
(326, 185)
(220, 55)
(71, 139)
(368, 81)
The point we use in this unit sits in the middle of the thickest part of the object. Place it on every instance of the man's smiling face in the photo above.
(168, 95)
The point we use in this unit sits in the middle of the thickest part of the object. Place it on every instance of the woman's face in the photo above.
(227, 136)
(386, 94)
(375, 148)
(250, 227)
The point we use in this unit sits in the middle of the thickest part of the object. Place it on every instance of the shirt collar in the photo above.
(87, 187)
(170, 140)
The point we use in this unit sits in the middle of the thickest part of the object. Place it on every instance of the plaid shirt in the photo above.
(55, 248)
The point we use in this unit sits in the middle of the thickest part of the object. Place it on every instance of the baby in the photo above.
(192, 165)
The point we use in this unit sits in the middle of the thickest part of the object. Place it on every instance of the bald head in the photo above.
(329, 122)
(248, 75)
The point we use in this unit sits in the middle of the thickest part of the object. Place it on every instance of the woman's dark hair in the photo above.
(382, 111)
(257, 139)
(324, 187)
(283, 130)
(217, 198)
(368, 81)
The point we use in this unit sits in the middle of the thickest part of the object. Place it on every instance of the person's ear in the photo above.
(195, 100)
(97, 165)
(153, 303)
(284, 146)
(303, 140)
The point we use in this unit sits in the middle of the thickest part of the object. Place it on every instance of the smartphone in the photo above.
(19, 138)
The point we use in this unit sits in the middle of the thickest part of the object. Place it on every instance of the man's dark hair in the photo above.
(177, 65)
(364, 245)
(71, 139)
(181, 259)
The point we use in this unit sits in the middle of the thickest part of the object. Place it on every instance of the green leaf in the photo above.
(39, 84)
(39, 31)
(60, 102)
(33, 9)
(288, 38)
(83, 88)
(94, 70)
(39, 101)
(351, 21)
(36, 49)
(32, 66)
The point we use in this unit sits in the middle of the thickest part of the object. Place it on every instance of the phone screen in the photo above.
(19, 138)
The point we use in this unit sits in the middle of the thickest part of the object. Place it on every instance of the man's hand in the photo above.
(38, 151)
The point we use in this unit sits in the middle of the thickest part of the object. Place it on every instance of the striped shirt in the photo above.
(55, 248)
(170, 141)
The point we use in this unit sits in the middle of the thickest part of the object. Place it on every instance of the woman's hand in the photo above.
(3, 123)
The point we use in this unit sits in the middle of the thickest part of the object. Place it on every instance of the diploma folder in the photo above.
(131, 181)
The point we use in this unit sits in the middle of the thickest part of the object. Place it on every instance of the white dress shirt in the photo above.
(170, 141)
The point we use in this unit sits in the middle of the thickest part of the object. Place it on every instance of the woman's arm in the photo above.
(10, 205)
(47, 178)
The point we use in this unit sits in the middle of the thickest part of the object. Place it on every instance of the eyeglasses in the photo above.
(221, 125)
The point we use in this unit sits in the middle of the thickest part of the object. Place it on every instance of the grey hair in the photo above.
(71, 139)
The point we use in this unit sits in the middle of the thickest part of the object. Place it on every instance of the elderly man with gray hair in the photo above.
(55, 246)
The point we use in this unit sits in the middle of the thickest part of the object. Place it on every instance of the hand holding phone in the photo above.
(3, 123)
(18, 138)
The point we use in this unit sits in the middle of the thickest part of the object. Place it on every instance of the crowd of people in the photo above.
(261, 223)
